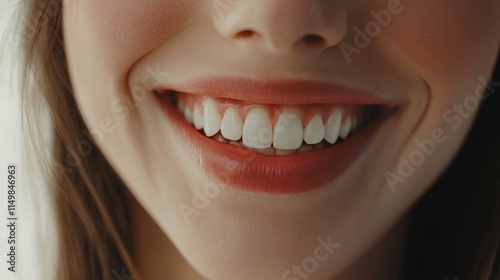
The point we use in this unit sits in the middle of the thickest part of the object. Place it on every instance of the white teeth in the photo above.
(256, 132)
(257, 129)
(211, 118)
(345, 128)
(288, 132)
(332, 126)
(188, 114)
(221, 139)
(231, 126)
(197, 118)
(314, 131)
(235, 143)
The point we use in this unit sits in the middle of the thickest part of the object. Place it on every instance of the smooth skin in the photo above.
(432, 55)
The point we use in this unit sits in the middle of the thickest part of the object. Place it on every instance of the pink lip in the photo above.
(279, 92)
(244, 169)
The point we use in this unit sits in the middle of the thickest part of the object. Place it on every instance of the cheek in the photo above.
(123, 31)
(448, 41)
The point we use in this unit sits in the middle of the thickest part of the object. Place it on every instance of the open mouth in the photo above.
(279, 138)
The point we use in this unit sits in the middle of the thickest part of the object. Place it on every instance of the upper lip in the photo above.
(287, 92)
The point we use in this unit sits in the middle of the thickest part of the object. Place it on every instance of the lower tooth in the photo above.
(221, 139)
(304, 149)
(319, 146)
(280, 152)
(267, 152)
(235, 143)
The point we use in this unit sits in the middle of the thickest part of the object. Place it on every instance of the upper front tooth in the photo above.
(257, 129)
(345, 128)
(197, 118)
(211, 118)
(332, 126)
(231, 126)
(288, 132)
(314, 131)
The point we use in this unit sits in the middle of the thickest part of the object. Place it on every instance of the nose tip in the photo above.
(284, 25)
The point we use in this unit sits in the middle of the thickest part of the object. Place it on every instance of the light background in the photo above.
(35, 231)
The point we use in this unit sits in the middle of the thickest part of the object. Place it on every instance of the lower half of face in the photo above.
(265, 153)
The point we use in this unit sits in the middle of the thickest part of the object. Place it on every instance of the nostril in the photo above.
(306, 42)
(245, 34)
(315, 40)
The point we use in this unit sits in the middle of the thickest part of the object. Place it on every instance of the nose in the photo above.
(281, 26)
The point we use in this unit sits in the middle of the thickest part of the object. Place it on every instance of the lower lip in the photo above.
(247, 170)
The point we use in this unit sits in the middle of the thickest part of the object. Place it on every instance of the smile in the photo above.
(274, 130)
(281, 138)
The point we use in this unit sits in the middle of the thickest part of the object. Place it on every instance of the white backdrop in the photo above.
(35, 227)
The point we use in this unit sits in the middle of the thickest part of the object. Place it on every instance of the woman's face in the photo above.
(260, 192)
